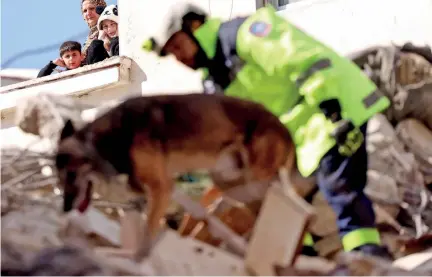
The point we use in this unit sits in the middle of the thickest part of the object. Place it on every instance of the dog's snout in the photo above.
(70, 177)
(89, 188)
(90, 183)
(68, 201)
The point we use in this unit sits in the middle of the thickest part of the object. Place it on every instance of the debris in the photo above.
(400, 167)
(175, 255)
(45, 114)
(282, 213)
(357, 264)
(93, 222)
(67, 260)
(215, 225)
(130, 223)
(306, 266)
(415, 261)
(417, 137)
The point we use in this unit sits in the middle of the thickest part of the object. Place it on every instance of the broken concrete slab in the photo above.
(131, 223)
(93, 222)
(37, 222)
(276, 240)
(416, 261)
(325, 223)
(44, 115)
(307, 266)
(175, 255)
(68, 260)
(417, 137)
(171, 253)
(358, 264)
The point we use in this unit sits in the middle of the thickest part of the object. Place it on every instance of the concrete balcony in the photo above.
(94, 83)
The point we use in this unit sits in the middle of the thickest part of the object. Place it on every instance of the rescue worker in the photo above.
(322, 98)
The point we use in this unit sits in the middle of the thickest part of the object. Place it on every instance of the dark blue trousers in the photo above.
(342, 181)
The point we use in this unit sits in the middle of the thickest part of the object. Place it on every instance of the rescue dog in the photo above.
(153, 138)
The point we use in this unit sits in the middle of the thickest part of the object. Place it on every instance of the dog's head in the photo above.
(79, 166)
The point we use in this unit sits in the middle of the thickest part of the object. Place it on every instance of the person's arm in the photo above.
(96, 52)
(280, 49)
(47, 70)
(114, 49)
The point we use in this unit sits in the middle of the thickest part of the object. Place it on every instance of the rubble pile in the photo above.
(400, 172)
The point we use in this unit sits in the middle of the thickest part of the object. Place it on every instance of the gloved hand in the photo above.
(348, 137)
(331, 109)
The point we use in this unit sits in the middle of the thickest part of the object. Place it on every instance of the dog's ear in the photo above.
(68, 130)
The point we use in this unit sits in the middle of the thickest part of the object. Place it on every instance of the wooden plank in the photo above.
(413, 261)
(278, 232)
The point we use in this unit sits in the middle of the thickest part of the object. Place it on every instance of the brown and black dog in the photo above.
(153, 138)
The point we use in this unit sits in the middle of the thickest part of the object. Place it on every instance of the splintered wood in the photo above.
(278, 232)
(274, 242)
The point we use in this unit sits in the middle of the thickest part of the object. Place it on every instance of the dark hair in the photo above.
(70, 46)
(100, 9)
(192, 16)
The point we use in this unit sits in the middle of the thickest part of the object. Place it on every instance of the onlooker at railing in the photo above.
(107, 43)
(70, 58)
(108, 29)
(88, 11)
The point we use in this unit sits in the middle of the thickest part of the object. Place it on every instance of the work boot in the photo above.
(375, 250)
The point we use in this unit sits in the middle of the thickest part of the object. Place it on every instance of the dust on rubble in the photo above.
(399, 175)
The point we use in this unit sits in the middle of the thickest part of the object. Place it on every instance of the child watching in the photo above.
(108, 29)
(107, 44)
(70, 58)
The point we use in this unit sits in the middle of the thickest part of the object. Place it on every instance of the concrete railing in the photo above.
(103, 80)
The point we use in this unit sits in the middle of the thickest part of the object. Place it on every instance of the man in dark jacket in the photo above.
(70, 58)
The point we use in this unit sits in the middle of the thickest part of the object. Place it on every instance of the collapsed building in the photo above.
(400, 168)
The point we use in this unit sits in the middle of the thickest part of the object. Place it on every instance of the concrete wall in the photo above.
(351, 25)
(346, 25)
(139, 18)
